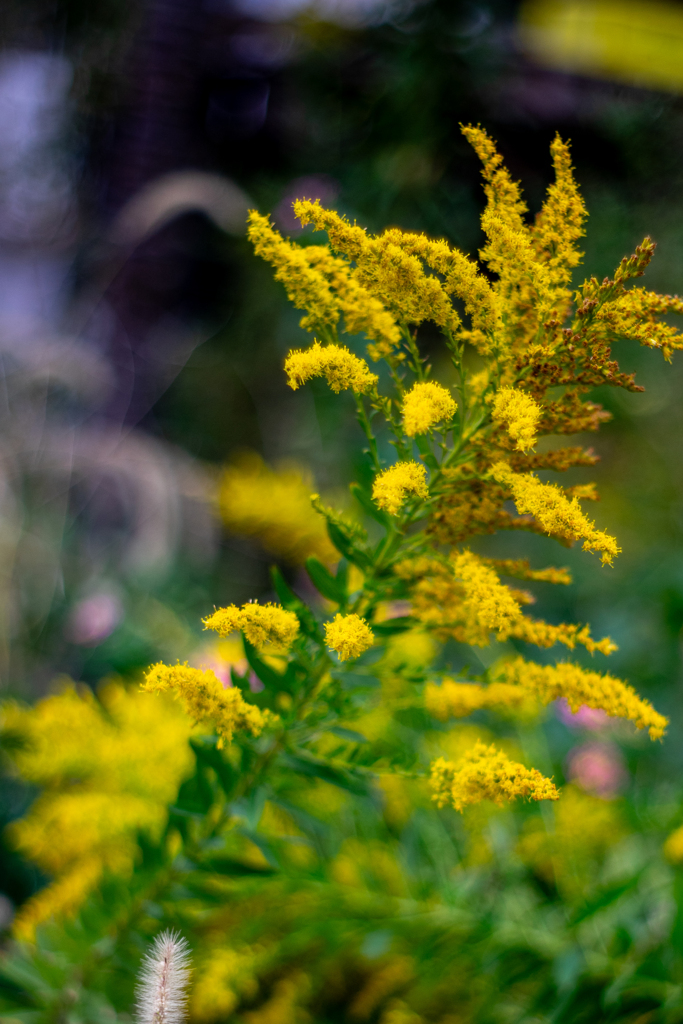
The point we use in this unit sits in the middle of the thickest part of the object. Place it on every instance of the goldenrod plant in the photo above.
(333, 841)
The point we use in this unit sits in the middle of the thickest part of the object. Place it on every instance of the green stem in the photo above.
(364, 421)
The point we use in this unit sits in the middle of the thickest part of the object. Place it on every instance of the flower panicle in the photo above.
(274, 507)
(556, 514)
(580, 686)
(161, 993)
(453, 699)
(205, 699)
(486, 773)
(304, 283)
(488, 604)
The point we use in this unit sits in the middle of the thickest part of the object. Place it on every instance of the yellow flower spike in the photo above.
(554, 511)
(485, 773)
(425, 405)
(392, 487)
(305, 285)
(348, 635)
(362, 310)
(559, 225)
(581, 686)
(503, 194)
(520, 414)
(204, 698)
(385, 268)
(334, 362)
(262, 624)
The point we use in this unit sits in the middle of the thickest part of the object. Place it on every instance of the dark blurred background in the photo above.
(141, 342)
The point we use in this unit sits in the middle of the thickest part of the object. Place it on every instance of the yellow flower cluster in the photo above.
(546, 634)
(223, 976)
(488, 603)
(392, 487)
(274, 506)
(262, 624)
(109, 767)
(554, 511)
(362, 311)
(205, 699)
(340, 367)
(348, 635)
(673, 847)
(520, 414)
(324, 285)
(425, 405)
(486, 773)
(438, 602)
(386, 268)
(305, 285)
(458, 700)
(581, 686)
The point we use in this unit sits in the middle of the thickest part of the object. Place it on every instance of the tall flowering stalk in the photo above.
(463, 453)
(525, 350)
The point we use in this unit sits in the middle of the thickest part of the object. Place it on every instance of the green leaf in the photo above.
(342, 576)
(426, 453)
(605, 899)
(211, 757)
(368, 506)
(234, 868)
(391, 626)
(347, 548)
(291, 601)
(268, 676)
(344, 778)
(348, 734)
(324, 581)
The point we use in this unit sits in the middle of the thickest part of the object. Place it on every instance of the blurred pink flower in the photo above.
(598, 768)
(93, 619)
(585, 718)
(208, 659)
(255, 684)
(398, 609)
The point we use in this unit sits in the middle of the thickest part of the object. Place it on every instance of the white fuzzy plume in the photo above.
(165, 972)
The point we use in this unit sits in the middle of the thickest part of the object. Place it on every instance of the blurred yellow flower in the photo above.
(109, 766)
(274, 507)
